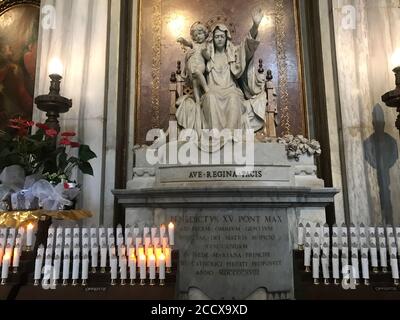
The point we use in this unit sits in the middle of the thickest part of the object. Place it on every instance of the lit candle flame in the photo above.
(56, 67)
(171, 225)
(396, 59)
(30, 226)
(161, 257)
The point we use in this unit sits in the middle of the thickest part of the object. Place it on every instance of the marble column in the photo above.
(366, 35)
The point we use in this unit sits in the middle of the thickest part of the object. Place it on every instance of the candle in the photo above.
(140, 251)
(394, 266)
(325, 249)
(164, 242)
(146, 231)
(38, 267)
(364, 249)
(354, 248)
(161, 268)
(85, 250)
(131, 250)
(129, 239)
(317, 228)
(77, 250)
(372, 239)
(325, 268)
(154, 231)
(16, 256)
(308, 228)
(59, 240)
(158, 253)
(48, 260)
(356, 269)
(162, 231)
(374, 256)
(110, 232)
(1, 255)
(6, 266)
(363, 239)
(77, 231)
(156, 241)
(85, 267)
(75, 268)
(120, 239)
(316, 249)
(335, 266)
(335, 229)
(95, 256)
(365, 266)
(316, 241)
(123, 269)
(300, 236)
(138, 242)
(398, 243)
(67, 232)
(344, 238)
(114, 265)
(119, 229)
(168, 258)
(147, 243)
(127, 233)
(68, 243)
(362, 229)
(60, 232)
(171, 234)
(142, 267)
(85, 239)
(136, 231)
(18, 239)
(345, 261)
(111, 239)
(393, 249)
(122, 250)
(103, 256)
(335, 249)
(2, 240)
(315, 267)
(152, 266)
(66, 264)
(112, 251)
(29, 235)
(307, 255)
(383, 255)
(132, 267)
(325, 229)
(93, 234)
(56, 268)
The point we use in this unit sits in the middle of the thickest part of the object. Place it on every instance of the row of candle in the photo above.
(130, 236)
(360, 237)
(146, 268)
(349, 271)
(14, 236)
(11, 246)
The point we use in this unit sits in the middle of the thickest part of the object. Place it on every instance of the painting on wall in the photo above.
(162, 22)
(19, 27)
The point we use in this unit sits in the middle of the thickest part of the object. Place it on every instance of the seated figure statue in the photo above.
(236, 96)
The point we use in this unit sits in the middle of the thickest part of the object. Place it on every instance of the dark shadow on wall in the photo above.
(381, 152)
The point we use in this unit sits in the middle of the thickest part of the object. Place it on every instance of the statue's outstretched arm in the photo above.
(257, 16)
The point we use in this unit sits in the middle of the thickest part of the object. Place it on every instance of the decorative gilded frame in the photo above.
(281, 57)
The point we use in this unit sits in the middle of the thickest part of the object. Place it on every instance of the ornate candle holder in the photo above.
(53, 103)
(392, 98)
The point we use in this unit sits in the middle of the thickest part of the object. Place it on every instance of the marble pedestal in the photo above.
(235, 233)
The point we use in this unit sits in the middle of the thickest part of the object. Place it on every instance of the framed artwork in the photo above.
(19, 27)
(161, 22)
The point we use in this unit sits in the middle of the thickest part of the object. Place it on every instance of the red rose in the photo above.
(66, 185)
(42, 126)
(75, 144)
(51, 133)
(68, 134)
(30, 123)
(65, 142)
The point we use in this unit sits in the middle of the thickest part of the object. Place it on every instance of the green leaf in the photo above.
(85, 154)
(86, 168)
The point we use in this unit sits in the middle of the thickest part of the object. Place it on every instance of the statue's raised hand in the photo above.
(257, 15)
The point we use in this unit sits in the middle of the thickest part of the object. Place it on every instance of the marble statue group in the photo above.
(228, 91)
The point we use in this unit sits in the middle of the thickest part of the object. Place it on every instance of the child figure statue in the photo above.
(196, 58)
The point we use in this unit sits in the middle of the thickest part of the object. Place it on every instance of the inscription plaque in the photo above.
(228, 254)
